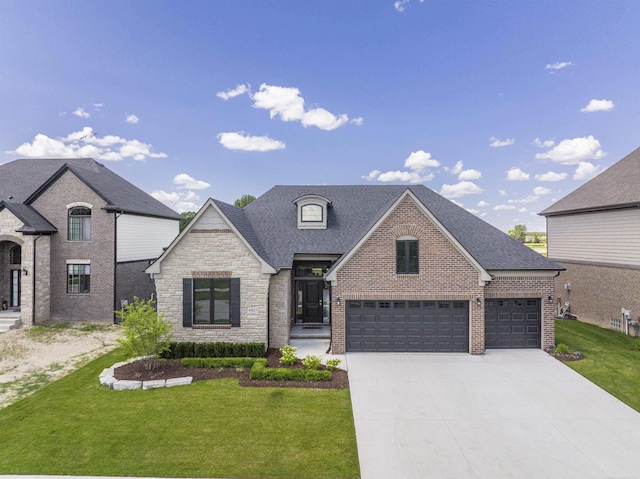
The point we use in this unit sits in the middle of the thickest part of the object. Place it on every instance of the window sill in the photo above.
(211, 326)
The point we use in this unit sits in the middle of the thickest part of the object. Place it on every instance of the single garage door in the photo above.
(512, 323)
(407, 326)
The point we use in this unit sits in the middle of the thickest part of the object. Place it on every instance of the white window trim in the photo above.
(80, 203)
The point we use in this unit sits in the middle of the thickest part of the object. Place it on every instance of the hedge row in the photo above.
(215, 350)
(218, 362)
(261, 371)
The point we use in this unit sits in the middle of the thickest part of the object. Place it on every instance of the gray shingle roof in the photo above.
(616, 187)
(33, 222)
(355, 209)
(21, 181)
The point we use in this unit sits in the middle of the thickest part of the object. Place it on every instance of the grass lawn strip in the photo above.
(74, 426)
(611, 359)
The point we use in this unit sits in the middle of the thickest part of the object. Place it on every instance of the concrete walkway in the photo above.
(507, 414)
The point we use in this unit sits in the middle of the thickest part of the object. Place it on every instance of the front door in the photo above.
(312, 301)
(15, 288)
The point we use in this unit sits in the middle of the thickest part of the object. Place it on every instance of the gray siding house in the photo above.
(382, 267)
(594, 233)
(75, 239)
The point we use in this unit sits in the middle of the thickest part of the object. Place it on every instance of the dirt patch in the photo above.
(172, 368)
(32, 357)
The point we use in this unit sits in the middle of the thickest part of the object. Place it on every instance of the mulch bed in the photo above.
(172, 368)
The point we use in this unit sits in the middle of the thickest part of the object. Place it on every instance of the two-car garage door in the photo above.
(411, 326)
(439, 326)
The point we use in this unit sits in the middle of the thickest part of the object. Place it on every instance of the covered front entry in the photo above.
(312, 294)
(407, 326)
(512, 323)
(10, 274)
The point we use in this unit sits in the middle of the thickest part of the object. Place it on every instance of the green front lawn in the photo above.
(611, 359)
(208, 429)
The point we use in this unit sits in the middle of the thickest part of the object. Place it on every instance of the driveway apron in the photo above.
(505, 414)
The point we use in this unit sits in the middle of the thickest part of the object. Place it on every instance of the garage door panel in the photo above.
(408, 326)
(512, 323)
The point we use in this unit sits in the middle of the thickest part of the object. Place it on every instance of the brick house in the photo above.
(75, 239)
(594, 233)
(386, 268)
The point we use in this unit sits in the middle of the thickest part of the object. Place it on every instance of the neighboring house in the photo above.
(75, 239)
(389, 268)
(594, 233)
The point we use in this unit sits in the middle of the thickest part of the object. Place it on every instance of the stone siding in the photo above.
(280, 309)
(598, 293)
(444, 273)
(205, 253)
(100, 251)
(528, 287)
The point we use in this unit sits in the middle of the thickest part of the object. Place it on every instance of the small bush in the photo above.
(288, 355)
(562, 348)
(332, 364)
(261, 371)
(218, 362)
(311, 362)
(215, 350)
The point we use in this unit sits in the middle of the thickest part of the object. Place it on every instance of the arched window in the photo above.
(15, 255)
(311, 213)
(407, 255)
(79, 223)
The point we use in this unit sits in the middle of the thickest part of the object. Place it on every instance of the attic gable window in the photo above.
(312, 212)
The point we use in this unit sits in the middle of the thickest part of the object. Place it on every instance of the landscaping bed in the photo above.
(173, 368)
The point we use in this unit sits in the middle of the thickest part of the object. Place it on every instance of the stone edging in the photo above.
(107, 379)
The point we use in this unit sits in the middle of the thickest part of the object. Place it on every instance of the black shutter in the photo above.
(235, 302)
(187, 302)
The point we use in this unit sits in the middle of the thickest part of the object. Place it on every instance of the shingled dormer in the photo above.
(312, 212)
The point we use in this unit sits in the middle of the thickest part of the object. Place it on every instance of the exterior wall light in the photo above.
(24, 272)
(338, 300)
(478, 302)
(550, 299)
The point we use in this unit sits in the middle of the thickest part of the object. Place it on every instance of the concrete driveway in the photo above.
(507, 414)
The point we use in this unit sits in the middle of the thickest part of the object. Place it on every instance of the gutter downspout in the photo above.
(115, 264)
(33, 292)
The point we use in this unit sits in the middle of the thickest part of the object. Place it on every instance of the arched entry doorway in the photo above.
(10, 274)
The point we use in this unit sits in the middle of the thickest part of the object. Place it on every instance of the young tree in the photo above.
(145, 332)
(186, 217)
(519, 233)
(244, 200)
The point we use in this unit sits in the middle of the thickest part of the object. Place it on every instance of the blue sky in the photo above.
(501, 106)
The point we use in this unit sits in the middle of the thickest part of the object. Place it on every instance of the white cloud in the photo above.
(456, 169)
(516, 174)
(180, 202)
(470, 175)
(460, 189)
(132, 119)
(81, 113)
(543, 144)
(401, 5)
(528, 199)
(523, 210)
(238, 90)
(557, 65)
(323, 119)
(241, 141)
(187, 182)
(541, 191)
(504, 208)
(551, 176)
(86, 143)
(502, 193)
(372, 175)
(472, 210)
(598, 105)
(286, 103)
(573, 151)
(404, 176)
(357, 121)
(585, 170)
(420, 160)
(497, 143)
(482, 204)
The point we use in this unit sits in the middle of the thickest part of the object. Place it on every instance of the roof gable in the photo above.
(614, 188)
(32, 221)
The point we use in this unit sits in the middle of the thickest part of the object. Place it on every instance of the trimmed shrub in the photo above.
(261, 371)
(311, 362)
(218, 362)
(215, 350)
(288, 355)
(332, 364)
